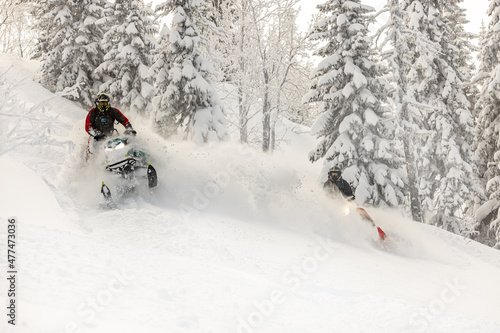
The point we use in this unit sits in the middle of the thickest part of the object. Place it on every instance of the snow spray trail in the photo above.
(228, 180)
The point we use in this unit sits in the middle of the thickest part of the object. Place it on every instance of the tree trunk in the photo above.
(272, 138)
(266, 114)
(274, 119)
(243, 110)
(416, 211)
(401, 92)
(243, 114)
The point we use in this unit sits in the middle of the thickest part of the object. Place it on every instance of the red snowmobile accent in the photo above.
(88, 151)
(367, 217)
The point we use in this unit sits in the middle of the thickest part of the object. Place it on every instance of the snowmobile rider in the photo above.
(100, 120)
(336, 184)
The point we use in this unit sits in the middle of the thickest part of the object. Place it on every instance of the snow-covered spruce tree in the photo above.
(189, 100)
(83, 53)
(408, 117)
(43, 13)
(460, 56)
(488, 122)
(221, 36)
(357, 134)
(71, 54)
(488, 104)
(128, 43)
(478, 80)
(455, 17)
(53, 21)
(159, 71)
(445, 163)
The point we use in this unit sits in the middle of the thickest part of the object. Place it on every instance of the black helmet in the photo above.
(102, 98)
(334, 173)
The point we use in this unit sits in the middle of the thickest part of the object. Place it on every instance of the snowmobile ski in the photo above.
(382, 235)
(105, 191)
(107, 201)
(152, 176)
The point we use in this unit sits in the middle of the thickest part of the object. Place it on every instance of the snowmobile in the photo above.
(129, 164)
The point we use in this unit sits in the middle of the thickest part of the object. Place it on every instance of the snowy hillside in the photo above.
(232, 240)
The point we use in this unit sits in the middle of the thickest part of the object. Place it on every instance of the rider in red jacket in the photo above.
(100, 120)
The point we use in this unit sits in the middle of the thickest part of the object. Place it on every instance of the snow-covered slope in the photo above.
(232, 240)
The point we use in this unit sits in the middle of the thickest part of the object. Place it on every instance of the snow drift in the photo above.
(232, 240)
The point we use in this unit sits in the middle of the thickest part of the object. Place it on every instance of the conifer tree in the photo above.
(84, 52)
(407, 115)
(159, 71)
(488, 123)
(128, 43)
(463, 47)
(70, 45)
(445, 163)
(53, 20)
(43, 13)
(190, 100)
(356, 133)
(488, 103)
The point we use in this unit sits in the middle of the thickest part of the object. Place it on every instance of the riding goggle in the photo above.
(334, 174)
(103, 105)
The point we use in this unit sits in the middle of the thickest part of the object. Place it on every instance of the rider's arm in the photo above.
(346, 189)
(120, 117)
(88, 124)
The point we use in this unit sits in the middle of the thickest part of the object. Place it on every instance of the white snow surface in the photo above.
(232, 240)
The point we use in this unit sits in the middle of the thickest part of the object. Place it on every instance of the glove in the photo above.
(99, 137)
(92, 132)
(129, 130)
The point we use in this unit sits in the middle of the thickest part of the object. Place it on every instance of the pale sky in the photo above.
(476, 11)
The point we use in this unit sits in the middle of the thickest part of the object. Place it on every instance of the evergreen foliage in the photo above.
(488, 104)
(189, 100)
(408, 117)
(355, 124)
(70, 45)
(445, 162)
(128, 44)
